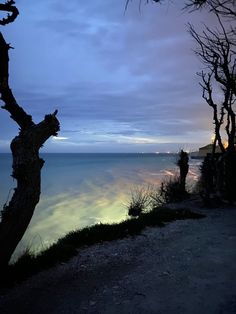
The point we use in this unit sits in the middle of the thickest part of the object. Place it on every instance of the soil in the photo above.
(187, 266)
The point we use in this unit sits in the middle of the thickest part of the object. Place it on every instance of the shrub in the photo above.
(140, 200)
(183, 165)
(218, 179)
(171, 191)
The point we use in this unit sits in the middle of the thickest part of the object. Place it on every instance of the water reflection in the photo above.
(80, 191)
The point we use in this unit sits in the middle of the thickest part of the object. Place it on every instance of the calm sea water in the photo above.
(83, 189)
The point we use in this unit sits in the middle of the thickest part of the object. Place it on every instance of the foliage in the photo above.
(218, 179)
(183, 165)
(68, 246)
(171, 191)
(206, 185)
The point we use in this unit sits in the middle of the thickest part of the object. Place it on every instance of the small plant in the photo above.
(171, 191)
(156, 199)
(174, 190)
(140, 200)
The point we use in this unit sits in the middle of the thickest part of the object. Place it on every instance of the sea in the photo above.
(80, 190)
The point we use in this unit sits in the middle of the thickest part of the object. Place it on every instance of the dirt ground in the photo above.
(186, 267)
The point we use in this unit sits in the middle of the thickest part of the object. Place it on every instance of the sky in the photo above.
(121, 81)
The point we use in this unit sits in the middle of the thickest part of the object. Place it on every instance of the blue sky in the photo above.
(121, 82)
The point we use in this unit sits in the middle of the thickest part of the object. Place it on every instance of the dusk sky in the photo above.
(121, 82)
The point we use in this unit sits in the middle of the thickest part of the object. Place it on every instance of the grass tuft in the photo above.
(139, 201)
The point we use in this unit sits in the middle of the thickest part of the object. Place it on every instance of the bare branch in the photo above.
(9, 7)
(225, 8)
(17, 113)
(140, 3)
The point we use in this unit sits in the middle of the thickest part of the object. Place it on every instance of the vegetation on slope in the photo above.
(68, 246)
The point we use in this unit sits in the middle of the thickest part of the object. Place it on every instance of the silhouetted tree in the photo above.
(27, 164)
(183, 165)
(216, 50)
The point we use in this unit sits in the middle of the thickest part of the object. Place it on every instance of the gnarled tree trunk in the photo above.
(16, 216)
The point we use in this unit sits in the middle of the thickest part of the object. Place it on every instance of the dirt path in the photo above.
(187, 267)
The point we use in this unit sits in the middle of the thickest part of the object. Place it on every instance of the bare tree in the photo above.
(217, 52)
(216, 48)
(27, 164)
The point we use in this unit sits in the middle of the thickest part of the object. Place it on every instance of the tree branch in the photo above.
(17, 113)
(9, 7)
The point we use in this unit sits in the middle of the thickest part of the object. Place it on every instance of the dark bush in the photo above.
(172, 191)
(218, 179)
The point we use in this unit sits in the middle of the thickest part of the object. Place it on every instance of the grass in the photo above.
(68, 246)
(139, 201)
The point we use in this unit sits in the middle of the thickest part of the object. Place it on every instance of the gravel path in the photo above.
(186, 267)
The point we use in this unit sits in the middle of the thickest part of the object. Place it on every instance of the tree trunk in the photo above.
(218, 123)
(231, 138)
(16, 216)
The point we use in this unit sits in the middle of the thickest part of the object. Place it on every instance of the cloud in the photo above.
(108, 73)
(4, 144)
(59, 138)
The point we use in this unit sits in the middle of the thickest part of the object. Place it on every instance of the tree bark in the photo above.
(27, 165)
